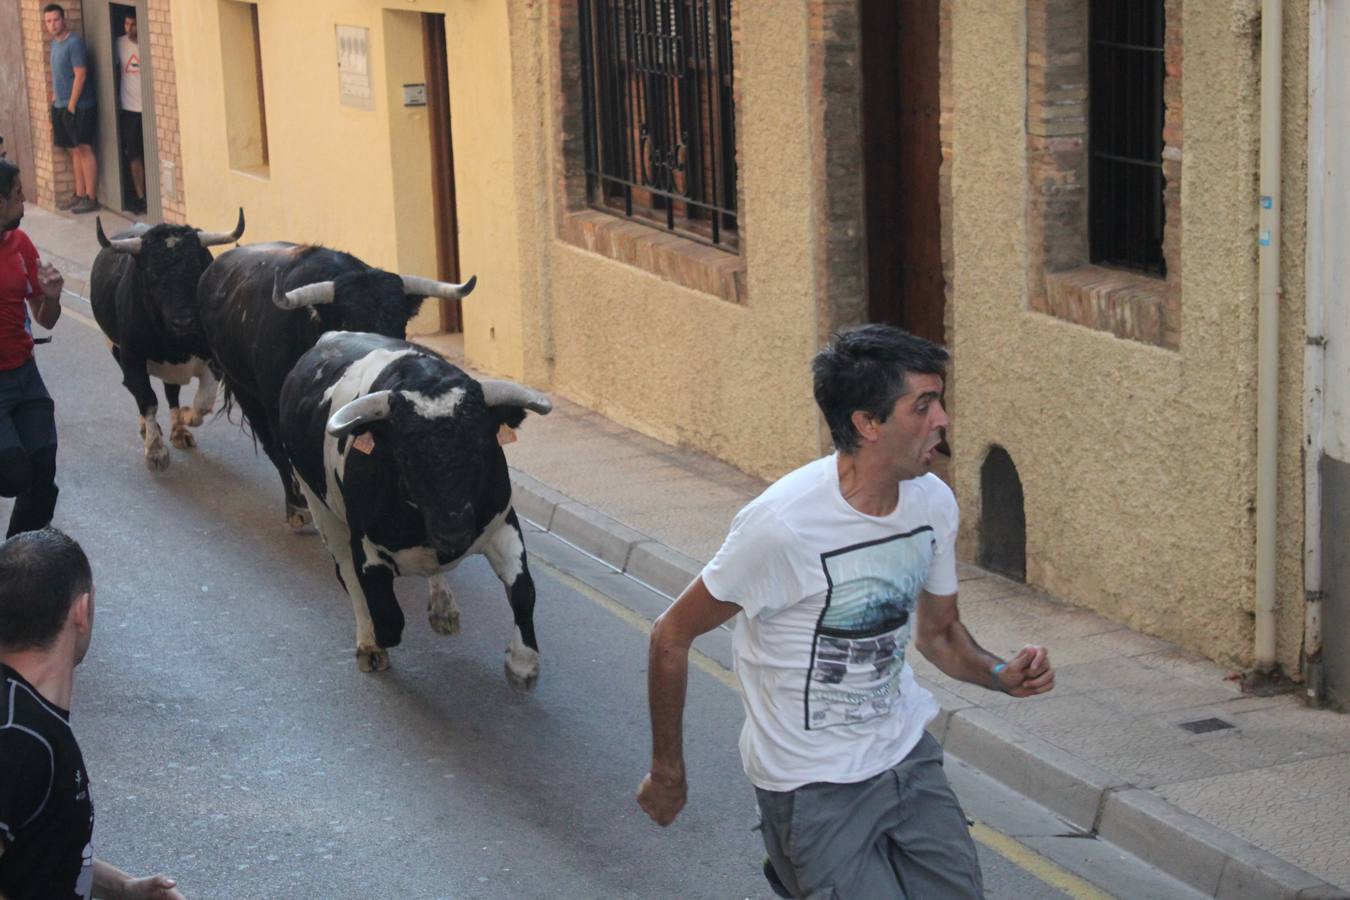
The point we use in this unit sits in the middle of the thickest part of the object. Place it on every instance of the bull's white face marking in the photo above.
(522, 664)
(179, 373)
(172, 242)
(441, 407)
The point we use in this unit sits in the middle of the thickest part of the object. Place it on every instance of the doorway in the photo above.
(442, 164)
(902, 156)
(105, 24)
(126, 59)
(15, 127)
(426, 222)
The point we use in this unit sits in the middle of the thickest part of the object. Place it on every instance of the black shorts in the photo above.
(74, 129)
(129, 129)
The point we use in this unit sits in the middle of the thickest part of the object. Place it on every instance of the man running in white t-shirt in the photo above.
(831, 569)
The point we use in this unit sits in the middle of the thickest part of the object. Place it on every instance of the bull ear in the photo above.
(430, 287)
(508, 393)
(316, 294)
(361, 411)
(212, 238)
(121, 245)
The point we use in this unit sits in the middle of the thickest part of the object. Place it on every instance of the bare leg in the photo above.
(138, 177)
(89, 162)
(78, 171)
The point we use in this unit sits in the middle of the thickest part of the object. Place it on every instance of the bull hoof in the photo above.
(183, 439)
(442, 621)
(196, 417)
(521, 683)
(522, 664)
(298, 519)
(372, 659)
(157, 460)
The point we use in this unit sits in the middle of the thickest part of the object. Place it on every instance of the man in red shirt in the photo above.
(27, 415)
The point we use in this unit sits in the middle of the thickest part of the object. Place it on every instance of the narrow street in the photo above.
(233, 743)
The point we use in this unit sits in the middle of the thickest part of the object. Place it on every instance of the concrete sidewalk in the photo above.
(1143, 743)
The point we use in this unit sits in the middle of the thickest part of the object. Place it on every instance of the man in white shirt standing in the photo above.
(129, 101)
(831, 569)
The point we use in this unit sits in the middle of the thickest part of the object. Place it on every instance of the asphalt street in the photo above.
(232, 742)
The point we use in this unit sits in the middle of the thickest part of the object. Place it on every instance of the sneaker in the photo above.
(775, 883)
(68, 203)
(85, 205)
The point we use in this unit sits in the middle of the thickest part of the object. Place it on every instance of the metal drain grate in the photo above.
(1203, 726)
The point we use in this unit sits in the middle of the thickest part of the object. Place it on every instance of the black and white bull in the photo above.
(143, 288)
(264, 305)
(398, 453)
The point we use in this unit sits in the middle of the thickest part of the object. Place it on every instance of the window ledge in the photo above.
(1131, 306)
(673, 258)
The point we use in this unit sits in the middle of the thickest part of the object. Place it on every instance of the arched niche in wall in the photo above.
(1003, 521)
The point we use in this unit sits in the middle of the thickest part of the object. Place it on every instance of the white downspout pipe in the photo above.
(1268, 329)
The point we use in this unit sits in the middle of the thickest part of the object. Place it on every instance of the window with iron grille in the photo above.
(659, 115)
(1125, 187)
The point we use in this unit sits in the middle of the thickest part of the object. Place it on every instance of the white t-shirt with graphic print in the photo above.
(828, 597)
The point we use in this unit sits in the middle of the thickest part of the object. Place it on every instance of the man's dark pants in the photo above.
(27, 448)
(898, 834)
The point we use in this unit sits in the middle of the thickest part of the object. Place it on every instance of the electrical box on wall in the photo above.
(414, 95)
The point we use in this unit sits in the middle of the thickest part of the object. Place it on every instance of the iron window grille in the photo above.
(659, 113)
(1125, 179)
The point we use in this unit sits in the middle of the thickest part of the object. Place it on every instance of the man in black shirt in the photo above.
(46, 811)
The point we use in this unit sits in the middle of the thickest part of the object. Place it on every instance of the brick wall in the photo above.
(1062, 283)
(55, 179)
(167, 144)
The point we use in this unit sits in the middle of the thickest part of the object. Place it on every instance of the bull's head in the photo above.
(170, 260)
(444, 442)
(372, 300)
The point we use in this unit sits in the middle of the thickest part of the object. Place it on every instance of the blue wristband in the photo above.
(996, 671)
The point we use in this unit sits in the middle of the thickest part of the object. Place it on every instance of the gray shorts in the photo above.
(898, 834)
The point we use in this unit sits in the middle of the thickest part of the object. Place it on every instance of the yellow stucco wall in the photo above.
(1138, 464)
(356, 179)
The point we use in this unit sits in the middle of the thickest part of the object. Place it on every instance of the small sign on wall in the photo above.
(414, 95)
(353, 47)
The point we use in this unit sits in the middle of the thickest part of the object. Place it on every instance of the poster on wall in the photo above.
(353, 47)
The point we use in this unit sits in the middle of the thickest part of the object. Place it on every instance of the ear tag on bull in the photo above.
(365, 442)
(506, 435)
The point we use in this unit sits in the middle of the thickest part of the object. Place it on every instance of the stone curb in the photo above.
(1186, 847)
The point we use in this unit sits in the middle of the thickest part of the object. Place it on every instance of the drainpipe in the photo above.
(1268, 330)
(1314, 360)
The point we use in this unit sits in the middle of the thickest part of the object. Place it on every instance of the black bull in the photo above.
(143, 290)
(398, 454)
(264, 305)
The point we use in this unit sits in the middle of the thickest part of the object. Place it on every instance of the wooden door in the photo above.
(902, 154)
(15, 126)
(442, 164)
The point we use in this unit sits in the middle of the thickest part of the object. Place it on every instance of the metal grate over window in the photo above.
(659, 114)
(1125, 201)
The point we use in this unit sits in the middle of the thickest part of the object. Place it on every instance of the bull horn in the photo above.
(508, 393)
(316, 294)
(121, 245)
(212, 238)
(361, 411)
(430, 287)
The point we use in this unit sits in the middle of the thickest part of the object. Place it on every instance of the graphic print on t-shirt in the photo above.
(859, 647)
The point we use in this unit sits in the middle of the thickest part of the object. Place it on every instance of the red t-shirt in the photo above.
(18, 282)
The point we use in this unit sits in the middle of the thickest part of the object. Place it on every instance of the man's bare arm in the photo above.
(77, 86)
(662, 792)
(949, 646)
(112, 882)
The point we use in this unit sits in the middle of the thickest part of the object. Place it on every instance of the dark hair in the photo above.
(9, 173)
(54, 7)
(41, 574)
(864, 369)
